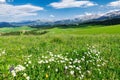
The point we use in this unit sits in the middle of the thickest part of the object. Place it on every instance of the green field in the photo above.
(15, 29)
(80, 53)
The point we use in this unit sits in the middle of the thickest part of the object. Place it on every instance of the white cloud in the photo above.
(72, 3)
(10, 12)
(87, 16)
(52, 16)
(2, 1)
(114, 3)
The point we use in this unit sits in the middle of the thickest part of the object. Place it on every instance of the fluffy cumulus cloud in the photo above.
(114, 3)
(72, 3)
(2, 1)
(8, 11)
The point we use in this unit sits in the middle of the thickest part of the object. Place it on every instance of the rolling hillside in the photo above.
(78, 30)
(79, 53)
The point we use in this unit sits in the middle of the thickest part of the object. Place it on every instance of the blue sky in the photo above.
(20, 10)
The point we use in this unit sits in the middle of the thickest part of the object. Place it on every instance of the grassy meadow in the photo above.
(80, 53)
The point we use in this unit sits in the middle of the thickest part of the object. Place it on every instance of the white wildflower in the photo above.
(82, 76)
(56, 70)
(80, 72)
(48, 66)
(28, 78)
(42, 56)
(3, 52)
(19, 68)
(13, 73)
(70, 62)
(71, 59)
(46, 61)
(72, 72)
(77, 68)
(25, 75)
(26, 65)
(70, 66)
(62, 61)
(82, 59)
(29, 62)
(66, 67)
(51, 54)
(98, 65)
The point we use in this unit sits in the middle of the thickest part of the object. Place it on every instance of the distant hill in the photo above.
(109, 18)
(105, 22)
(5, 24)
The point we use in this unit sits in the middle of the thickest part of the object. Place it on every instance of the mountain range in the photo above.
(88, 18)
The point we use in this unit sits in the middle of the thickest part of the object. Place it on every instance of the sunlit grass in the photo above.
(14, 29)
(62, 54)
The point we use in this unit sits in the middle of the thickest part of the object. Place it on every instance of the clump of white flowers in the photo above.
(27, 77)
(72, 72)
(75, 62)
(19, 68)
(28, 61)
(13, 73)
(15, 70)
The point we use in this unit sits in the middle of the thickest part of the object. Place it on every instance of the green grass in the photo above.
(90, 53)
(12, 29)
(114, 29)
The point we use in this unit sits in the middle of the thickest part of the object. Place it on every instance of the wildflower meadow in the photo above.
(61, 54)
